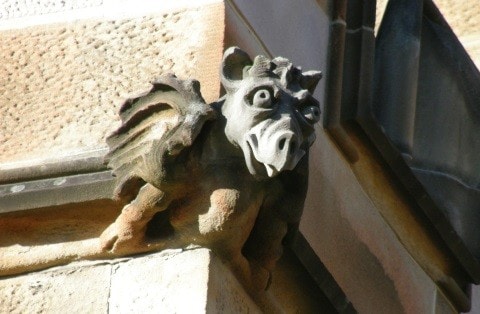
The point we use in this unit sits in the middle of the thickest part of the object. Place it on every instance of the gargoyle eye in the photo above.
(262, 98)
(311, 113)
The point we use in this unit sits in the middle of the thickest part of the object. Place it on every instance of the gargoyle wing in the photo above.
(156, 126)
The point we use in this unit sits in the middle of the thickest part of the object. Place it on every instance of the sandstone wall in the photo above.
(66, 66)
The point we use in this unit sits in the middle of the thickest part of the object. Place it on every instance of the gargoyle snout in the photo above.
(277, 149)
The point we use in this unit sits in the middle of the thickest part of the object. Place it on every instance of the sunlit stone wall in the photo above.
(67, 65)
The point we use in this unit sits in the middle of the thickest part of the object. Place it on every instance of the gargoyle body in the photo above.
(231, 176)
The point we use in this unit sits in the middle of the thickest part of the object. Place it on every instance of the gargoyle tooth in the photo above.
(271, 171)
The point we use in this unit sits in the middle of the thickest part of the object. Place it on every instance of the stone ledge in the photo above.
(189, 281)
(56, 191)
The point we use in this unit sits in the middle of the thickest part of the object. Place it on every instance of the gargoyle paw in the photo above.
(108, 238)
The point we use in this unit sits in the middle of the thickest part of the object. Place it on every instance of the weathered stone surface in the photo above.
(147, 284)
(13, 9)
(40, 238)
(156, 283)
(63, 82)
(211, 192)
(230, 176)
(153, 283)
(98, 49)
(225, 294)
(73, 289)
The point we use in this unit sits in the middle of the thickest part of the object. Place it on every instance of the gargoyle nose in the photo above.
(286, 145)
(277, 153)
(286, 156)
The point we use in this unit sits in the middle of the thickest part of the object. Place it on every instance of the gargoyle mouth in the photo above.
(267, 156)
(258, 169)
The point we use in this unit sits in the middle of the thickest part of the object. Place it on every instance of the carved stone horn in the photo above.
(233, 63)
(310, 80)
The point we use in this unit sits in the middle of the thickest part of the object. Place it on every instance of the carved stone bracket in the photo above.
(230, 176)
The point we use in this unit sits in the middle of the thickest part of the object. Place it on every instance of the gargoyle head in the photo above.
(270, 110)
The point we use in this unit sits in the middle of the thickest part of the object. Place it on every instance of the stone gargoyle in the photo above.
(230, 176)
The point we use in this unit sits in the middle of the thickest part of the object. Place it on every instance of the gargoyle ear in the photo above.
(233, 63)
(310, 80)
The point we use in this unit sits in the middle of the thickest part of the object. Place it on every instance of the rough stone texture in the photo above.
(225, 295)
(20, 8)
(462, 16)
(256, 139)
(153, 284)
(73, 289)
(37, 239)
(61, 84)
(156, 283)
(147, 284)
(226, 217)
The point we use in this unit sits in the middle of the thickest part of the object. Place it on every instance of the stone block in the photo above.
(225, 294)
(73, 289)
(191, 281)
(166, 283)
(62, 83)
(173, 281)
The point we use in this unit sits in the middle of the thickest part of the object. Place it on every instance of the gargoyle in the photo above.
(231, 176)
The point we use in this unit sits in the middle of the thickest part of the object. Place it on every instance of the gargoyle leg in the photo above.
(127, 233)
(264, 246)
(256, 280)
